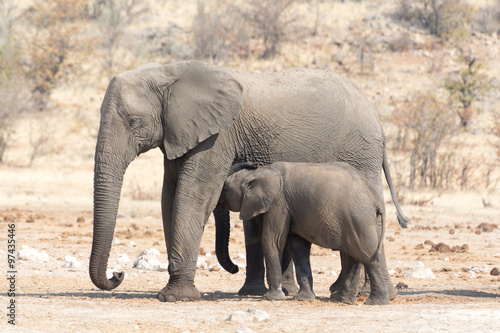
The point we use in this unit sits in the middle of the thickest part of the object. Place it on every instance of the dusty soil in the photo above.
(51, 206)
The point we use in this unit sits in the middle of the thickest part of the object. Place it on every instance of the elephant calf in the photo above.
(330, 205)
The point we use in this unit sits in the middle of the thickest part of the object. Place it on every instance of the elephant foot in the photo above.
(342, 296)
(252, 289)
(377, 300)
(305, 296)
(289, 288)
(174, 293)
(393, 293)
(365, 289)
(273, 295)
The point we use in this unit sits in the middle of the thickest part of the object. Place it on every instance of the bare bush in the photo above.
(219, 31)
(488, 19)
(425, 122)
(272, 22)
(446, 19)
(465, 86)
(52, 44)
(12, 83)
(113, 17)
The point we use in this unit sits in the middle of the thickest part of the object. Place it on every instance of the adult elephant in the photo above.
(205, 119)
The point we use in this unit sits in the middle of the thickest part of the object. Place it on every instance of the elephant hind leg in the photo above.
(301, 252)
(379, 294)
(345, 289)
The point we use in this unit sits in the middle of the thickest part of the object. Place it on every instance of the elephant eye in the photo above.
(134, 122)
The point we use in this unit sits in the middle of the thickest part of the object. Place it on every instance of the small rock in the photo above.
(487, 227)
(495, 271)
(214, 268)
(419, 271)
(401, 286)
(245, 330)
(465, 248)
(441, 247)
(428, 242)
(80, 219)
(239, 256)
(148, 260)
(249, 315)
(123, 259)
(70, 261)
(478, 268)
(201, 263)
(419, 247)
(238, 316)
(9, 218)
(452, 231)
(29, 254)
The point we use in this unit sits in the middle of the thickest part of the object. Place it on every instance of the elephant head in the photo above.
(174, 107)
(252, 191)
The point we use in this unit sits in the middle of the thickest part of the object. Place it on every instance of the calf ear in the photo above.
(264, 188)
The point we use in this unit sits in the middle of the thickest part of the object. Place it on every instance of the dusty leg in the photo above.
(289, 286)
(346, 287)
(379, 294)
(254, 281)
(301, 251)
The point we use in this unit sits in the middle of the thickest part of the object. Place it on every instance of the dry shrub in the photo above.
(14, 98)
(52, 43)
(488, 19)
(424, 123)
(219, 31)
(465, 86)
(446, 19)
(225, 28)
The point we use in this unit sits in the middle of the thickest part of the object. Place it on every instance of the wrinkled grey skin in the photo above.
(205, 119)
(328, 204)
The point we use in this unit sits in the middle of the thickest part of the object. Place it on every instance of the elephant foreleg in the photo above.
(254, 280)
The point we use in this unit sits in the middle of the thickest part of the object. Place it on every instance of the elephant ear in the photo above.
(203, 100)
(264, 187)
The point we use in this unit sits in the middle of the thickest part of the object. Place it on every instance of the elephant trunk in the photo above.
(107, 187)
(222, 230)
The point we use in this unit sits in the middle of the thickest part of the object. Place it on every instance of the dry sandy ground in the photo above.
(45, 202)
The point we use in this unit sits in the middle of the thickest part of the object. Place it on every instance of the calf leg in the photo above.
(346, 287)
(301, 251)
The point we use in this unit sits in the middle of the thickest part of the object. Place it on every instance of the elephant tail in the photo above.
(381, 229)
(402, 219)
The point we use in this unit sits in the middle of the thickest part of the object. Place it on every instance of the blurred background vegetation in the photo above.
(431, 68)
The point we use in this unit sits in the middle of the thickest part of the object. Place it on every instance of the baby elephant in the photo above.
(330, 205)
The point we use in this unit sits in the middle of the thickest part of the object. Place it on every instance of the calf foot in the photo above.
(290, 288)
(342, 296)
(393, 293)
(377, 300)
(274, 295)
(253, 288)
(305, 296)
(182, 292)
